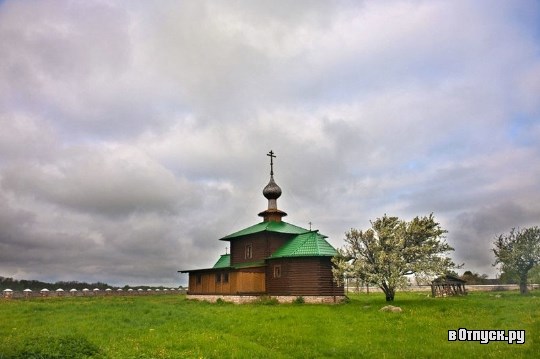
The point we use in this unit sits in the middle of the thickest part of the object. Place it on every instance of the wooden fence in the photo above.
(427, 288)
(87, 293)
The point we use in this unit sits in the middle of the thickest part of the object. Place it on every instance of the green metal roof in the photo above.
(223, 262)
(249, 264)
(311, 244)
(279, 227)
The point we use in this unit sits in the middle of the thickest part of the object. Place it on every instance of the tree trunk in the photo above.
(523, 284)
(389, 292)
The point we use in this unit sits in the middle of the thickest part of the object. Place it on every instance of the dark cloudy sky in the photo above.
(134, 134)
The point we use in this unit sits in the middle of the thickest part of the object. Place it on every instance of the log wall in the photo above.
(244, 281)
(311, 276)
(263, 245)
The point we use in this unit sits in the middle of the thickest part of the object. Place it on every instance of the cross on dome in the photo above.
(272, 156)
(272, 192)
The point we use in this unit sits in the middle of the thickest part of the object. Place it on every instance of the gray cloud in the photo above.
(134, 135)
(109, 181)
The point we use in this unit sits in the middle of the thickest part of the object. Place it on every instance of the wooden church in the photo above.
(271, 258)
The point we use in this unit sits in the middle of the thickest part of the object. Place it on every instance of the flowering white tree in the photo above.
(391, 249)
(518, 252)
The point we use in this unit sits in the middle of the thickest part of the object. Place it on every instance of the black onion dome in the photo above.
(272, 190)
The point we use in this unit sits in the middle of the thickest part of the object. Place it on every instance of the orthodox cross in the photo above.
(310, 226)
(272, 156)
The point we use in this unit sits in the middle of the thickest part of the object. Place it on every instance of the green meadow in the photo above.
(169, 326)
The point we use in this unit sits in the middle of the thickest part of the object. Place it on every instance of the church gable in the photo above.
(256, 247)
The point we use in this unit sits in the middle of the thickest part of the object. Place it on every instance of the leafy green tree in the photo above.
(534, 275)
(391, 249)
(474, 278)
(509, 277)
(518, 252)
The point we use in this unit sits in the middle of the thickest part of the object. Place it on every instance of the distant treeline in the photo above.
(507, 277)
(36, 285)
(19, 285)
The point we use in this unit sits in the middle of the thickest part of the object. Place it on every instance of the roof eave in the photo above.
(202, 270)
(302, 256)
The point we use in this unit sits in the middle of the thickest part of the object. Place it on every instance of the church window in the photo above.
(249, 251)
(277, 271)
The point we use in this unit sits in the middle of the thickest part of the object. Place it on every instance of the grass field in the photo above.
(169, 326)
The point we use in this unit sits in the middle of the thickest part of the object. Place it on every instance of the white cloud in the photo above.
(134, 135)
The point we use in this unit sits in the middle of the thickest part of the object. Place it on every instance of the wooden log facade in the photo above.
(296, 276)
(262, 246)
(301, 276)
(228, 282)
